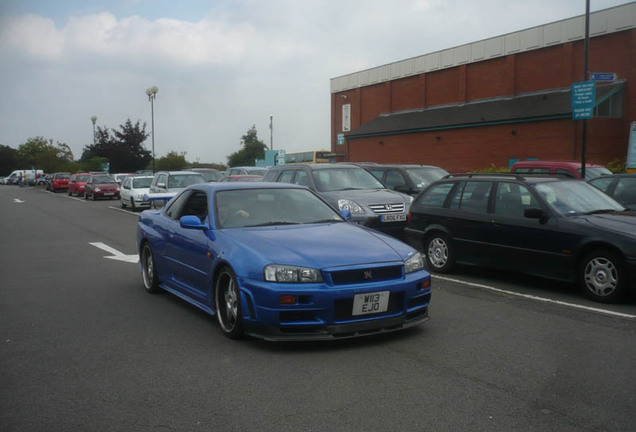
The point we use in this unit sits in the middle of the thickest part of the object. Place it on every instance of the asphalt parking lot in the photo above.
(85, 348)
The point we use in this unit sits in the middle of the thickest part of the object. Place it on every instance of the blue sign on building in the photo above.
(583, 100)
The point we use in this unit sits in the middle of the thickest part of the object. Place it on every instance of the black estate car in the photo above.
(350, 187)
(551, 227)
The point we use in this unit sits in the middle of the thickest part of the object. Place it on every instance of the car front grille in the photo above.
(387, 208)
(370, 274)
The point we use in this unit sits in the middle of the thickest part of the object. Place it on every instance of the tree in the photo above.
(122, 148)
(40, 153)
(253, 149)
(173, 161)
(8, 159)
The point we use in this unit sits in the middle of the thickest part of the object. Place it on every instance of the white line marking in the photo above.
(124, 210)
(542, 299)
(115, 254)
(17, 200)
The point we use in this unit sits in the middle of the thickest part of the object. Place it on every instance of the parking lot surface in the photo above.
(85, 348)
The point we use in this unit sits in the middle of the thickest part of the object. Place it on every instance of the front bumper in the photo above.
(324, 312)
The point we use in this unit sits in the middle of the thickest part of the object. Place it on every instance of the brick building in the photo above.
(494, 101)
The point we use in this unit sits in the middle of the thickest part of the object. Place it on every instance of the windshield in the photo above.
(576, 197)
(335, 179)
(184, 180)
(103, 179)
(593, 172)
(82, 178)
(141, 183)
(62, 176)
(423, 176)
(269, 207)
(212, 176)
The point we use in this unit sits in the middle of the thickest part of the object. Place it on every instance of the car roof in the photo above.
(216, 186)
(318, 166)
(177, 172)
(530, 178)
(399, 166)
(553, 163)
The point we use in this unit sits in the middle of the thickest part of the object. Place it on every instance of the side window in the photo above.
(301, 178)
(512, 199)
(286, 176)
(195, 205)
(270, 176)
(564, 173)
(174, 211)
(473, 197)
(603, 183)
(435, 196)
(377, 173)
(394, 178)
(542, 171)
(625, 191)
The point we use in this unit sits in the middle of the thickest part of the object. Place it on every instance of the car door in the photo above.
(530, 245)
(469, 221)
(187, 249)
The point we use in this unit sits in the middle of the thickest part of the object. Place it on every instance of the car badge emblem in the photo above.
(368, 275)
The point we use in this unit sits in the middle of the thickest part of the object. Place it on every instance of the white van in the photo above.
(29, 175)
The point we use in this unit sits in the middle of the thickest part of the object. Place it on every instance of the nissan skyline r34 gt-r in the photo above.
(275, 261)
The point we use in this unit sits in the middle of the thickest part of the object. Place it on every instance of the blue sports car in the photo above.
(274, 261)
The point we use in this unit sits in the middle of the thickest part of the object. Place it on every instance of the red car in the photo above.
(101, 186)
(77, 183)
(59, 181)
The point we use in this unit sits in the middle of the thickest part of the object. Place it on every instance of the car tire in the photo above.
(85, 196)
(439, 252)
(69, 192)
(132, 204)
(227, 299)
(149, 270)
(123, 204)
(93, 196)
(602, 276)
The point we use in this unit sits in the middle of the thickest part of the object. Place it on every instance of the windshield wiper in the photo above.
(600, 211)
(324, 221)
(272, 224)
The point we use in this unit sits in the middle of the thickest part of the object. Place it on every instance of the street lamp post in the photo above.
(152, 95)
(94, 120)
(271, 132)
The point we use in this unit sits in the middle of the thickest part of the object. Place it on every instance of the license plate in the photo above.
(109, 193)
(370, 303)
(393, 217)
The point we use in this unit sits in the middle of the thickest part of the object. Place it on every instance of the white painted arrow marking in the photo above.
(116, 255)
(17, 200)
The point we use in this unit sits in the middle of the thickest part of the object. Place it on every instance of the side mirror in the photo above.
(536, 213)
(346, 214)
(191, 222)
(161, 185)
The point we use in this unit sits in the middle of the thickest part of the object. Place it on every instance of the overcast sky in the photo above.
(221, 65)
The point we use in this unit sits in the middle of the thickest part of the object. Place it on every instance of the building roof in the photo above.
(543, 105)
(603, 22)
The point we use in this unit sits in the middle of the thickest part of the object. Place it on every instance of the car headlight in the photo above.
(415, 263)
(345, 204)
(291, 274)
(97, 189)
(140, 197)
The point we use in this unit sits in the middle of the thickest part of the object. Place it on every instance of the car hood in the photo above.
(319, 245)
(619, 222)
(367, 196)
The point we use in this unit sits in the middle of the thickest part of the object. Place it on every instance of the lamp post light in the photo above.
(152, 95)
(94, 120)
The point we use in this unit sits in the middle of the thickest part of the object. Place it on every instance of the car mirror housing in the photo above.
(536, 213)
(191, 222)
(161, 185)
(346, 214)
